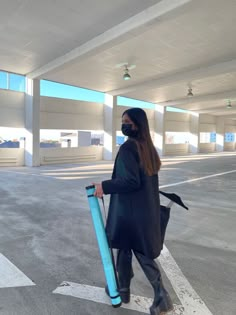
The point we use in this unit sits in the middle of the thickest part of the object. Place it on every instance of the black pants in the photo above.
(125, 270)
(162, 301)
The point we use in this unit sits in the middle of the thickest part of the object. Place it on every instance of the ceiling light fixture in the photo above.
(126, 66)
(190, 92)
(229, 106)
(126, 75)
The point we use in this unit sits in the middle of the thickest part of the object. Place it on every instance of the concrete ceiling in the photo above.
(173, 43)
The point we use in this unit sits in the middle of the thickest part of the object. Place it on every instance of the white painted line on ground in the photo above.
(190, 300)
(62, 175)
(196, 179)
(163, 186)
(25, 173)
(95, 294)
(11, 276)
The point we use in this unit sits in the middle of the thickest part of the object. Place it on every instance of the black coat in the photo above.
(134, 212)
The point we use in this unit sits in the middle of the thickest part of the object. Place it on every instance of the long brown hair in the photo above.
(148, 155)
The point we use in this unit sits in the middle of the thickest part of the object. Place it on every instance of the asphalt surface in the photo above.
(46, 231)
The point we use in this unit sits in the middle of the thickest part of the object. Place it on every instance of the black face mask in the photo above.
(128, 131)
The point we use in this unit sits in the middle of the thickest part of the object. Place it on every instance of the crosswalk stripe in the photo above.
(188, 297)
(11, 276)
(137, 303)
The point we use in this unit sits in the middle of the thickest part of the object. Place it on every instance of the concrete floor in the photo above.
(46, 231)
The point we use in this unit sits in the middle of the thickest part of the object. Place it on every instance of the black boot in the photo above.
(162, 302)
(166, 304)
(163, 307)
(125, 295)
(155, 310)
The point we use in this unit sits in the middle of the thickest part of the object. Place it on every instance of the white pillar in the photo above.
(220, 134)
(22, 142)
(109, 122)
(194, 133)
(32, 122)
(159, 129)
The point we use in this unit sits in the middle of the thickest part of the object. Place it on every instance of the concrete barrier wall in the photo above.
(12, 109)
(57, 113)
(177, 122)
(230, 128)
(176, 149)
(70, 155)
(207, 123)
(207, 147)
(11, 157)
(229, 146)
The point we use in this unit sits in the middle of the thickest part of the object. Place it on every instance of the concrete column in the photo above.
(22, 142)
(32, 123)
(220, 134)
(109, 122)
(194, 133)
(159, 129)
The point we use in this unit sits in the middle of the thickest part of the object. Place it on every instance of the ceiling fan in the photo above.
(127, 67)
(229, 105)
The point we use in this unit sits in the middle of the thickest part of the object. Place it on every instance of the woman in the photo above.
(133, 223)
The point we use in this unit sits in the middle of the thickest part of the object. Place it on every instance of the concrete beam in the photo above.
(231, 117)
(216, 109)
(186, 76)
(202, 98)
(141, 20)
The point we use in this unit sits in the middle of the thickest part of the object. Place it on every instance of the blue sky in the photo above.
(54, 89)
(16, 82)
(12, 81)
